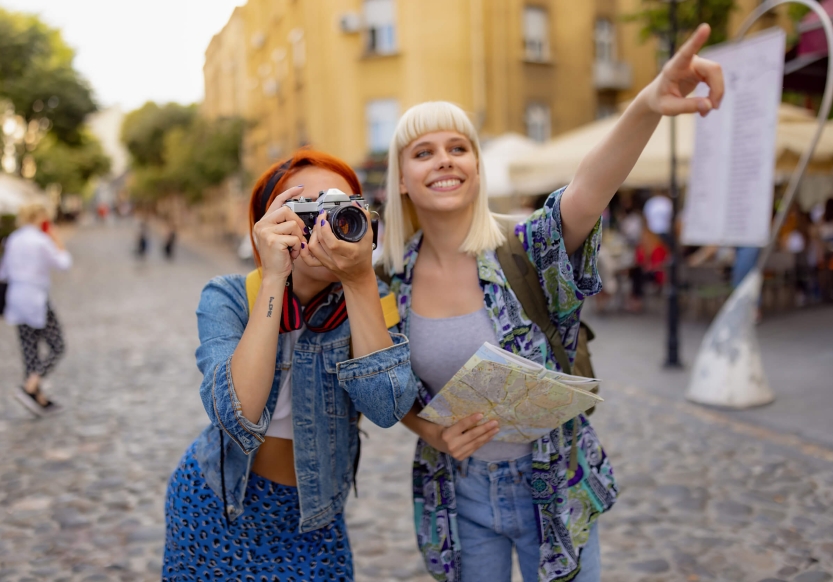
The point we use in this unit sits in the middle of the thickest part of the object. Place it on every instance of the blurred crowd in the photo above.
(636, 250)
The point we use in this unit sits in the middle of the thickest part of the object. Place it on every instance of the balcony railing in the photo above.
(614, 76)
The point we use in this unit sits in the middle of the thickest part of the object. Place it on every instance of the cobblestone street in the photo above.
(704, 495)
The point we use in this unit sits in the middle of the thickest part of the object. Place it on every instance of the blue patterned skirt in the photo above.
(262, 545)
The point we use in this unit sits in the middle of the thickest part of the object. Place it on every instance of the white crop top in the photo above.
(280, 426)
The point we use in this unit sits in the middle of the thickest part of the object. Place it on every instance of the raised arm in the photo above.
(604, 169)
(278, 236)
(353, 263)
(56, 253)
(378, 378)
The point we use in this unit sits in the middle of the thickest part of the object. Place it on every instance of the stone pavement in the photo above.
(705, 496)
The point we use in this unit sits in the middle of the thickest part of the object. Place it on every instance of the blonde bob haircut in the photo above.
(32, 213)
(401, 221)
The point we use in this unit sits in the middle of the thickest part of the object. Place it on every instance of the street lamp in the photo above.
(672, 358)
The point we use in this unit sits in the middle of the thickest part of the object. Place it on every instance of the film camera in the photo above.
(348, 222)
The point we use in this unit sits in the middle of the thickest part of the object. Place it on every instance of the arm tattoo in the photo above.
(271, 299)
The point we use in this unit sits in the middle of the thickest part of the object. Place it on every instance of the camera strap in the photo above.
(330, 301)
(291, 311)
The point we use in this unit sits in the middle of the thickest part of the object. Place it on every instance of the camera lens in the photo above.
(348, 223)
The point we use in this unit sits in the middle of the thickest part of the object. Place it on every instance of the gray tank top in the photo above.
(440, 347)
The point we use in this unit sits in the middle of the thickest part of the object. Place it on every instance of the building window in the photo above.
(538, 121)
(605, 41)
(536, 34)
(605, 110)
(380, 20)
(382, 116)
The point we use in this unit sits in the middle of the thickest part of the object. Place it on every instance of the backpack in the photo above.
(523, 279)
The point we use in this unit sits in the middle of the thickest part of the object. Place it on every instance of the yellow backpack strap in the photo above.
(390, 310)
(253, 280)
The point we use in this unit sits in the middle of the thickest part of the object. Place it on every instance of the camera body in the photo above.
(348, 222)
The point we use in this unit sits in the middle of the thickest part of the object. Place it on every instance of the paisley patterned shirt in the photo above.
(566, 503)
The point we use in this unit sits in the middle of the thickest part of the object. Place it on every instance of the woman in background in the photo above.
(32, 252)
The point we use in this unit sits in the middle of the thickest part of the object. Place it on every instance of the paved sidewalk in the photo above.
(705, 496)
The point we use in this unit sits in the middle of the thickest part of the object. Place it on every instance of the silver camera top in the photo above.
(326, 199)
(332, 197)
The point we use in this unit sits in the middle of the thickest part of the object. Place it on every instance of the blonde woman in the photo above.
(475, 499)
(32, 251)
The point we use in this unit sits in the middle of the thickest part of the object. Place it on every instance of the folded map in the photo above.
(526, 399)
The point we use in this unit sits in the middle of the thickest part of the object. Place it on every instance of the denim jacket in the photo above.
(329, 390)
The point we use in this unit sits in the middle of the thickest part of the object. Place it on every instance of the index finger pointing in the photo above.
(695, 42)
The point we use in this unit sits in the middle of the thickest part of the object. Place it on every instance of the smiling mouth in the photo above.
(445, 184)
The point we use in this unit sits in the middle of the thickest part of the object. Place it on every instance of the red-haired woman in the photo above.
(259, 495)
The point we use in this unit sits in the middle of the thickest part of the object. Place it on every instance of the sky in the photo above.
(133, 51)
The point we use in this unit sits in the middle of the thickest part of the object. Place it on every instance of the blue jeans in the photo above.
(745, 259)
(495, 512)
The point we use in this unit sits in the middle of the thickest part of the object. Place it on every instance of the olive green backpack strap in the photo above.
(382, 273)
(523, 279)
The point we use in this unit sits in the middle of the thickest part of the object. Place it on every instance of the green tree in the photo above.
(144, 130)
(38, 77)
(70, 166)
(175, 151)
(655, 21)
(202, 155)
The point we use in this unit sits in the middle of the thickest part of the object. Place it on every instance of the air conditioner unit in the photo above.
(350, 22)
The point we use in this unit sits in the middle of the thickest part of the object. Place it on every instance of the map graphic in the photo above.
(526, 399)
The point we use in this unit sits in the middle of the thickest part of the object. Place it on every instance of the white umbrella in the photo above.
(15, 192)
(555, 164)
(498, 153)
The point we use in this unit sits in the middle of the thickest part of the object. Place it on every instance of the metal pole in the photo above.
(673, 354)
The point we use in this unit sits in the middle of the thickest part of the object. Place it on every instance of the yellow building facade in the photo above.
(337, 74)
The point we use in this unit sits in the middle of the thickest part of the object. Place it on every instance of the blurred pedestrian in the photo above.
(260, 494)
(650, 258)
(476, 500)
(826, 223)
(824, 231)
(32, 251)
(658, 210)
(631, 224)
(143, 241)
(170, 241)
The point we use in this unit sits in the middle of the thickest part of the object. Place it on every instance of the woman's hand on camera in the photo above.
(279, 236)
(348, 260)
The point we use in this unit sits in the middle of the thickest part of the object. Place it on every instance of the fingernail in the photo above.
(303, 246)
(323, 222)
(321, 211)
(299, 186)
(306, 230)
(704, 107)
